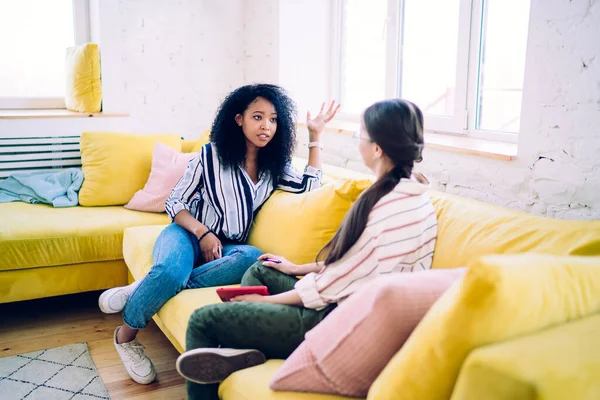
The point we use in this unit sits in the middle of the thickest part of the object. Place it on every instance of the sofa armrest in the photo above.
(557, 363)
(138, 243)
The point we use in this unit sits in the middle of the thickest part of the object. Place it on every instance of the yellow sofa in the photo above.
(46, 251)
(468, 229)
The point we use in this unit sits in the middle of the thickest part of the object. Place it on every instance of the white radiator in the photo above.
(28, 154)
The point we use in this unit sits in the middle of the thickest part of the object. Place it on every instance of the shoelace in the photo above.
(135, 352)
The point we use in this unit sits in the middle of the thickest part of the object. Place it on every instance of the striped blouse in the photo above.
(399, 237)
(225, 199)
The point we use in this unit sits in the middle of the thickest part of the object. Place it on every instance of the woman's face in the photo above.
(366, 147)
(258, 122)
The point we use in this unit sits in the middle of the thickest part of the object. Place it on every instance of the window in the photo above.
(461, 61)
(34, 35)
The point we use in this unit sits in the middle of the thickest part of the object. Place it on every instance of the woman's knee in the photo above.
(255, 272)
(171, 276)
(201, 324)
(250, 253)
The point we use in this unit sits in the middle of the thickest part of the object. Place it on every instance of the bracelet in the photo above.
(204, 234)
(315, 144)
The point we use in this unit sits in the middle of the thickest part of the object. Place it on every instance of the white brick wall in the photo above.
(558, 170)
(178, 59)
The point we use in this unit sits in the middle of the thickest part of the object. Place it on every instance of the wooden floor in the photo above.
(42, 324)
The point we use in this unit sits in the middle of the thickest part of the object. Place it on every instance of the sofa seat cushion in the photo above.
(558, 363)
(38, 235)
(253, 383)
(469, 229)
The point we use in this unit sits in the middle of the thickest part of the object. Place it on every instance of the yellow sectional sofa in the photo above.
(47, 252)
(468, 230)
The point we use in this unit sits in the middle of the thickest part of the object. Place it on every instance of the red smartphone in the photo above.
(228, 293)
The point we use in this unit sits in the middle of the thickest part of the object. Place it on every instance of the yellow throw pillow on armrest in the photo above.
(83, 80)
(297, 226)
(116, 165)
(499, 298)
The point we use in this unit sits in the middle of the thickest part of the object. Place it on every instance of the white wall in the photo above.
(558, 170)
(179, 59)
(289, 43)
(167, 63)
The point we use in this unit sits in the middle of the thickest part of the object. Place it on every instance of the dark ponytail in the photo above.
(397, 127)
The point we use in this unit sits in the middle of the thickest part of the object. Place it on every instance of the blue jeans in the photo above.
(177, 258)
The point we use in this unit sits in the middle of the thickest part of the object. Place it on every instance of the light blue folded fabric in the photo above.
(56, 188)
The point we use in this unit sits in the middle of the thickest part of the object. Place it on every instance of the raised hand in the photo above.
(317, 124)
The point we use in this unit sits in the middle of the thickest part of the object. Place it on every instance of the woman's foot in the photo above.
(113, 300)
(136, 362)
(208, 365)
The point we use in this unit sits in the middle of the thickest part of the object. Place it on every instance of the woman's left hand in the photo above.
(317, 124)
(251, 298)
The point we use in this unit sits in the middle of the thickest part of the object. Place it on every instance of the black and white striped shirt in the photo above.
(225, 199)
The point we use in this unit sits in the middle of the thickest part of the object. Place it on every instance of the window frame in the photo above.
(81, 25)
(471, 25)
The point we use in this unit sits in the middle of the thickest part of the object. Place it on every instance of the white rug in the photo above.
(61, 373)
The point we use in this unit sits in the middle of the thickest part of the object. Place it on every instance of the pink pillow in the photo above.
(347, 351)
(168, 166)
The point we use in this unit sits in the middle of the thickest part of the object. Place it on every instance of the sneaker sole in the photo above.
(106, 310)
(207, 366)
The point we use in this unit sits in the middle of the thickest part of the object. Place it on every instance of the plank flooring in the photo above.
(41, 324)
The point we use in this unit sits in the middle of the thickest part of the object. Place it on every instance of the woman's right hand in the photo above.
(211, 247)
(285, 266)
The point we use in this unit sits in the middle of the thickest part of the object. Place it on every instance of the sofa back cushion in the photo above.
(469, 229)
(194, 146)
(168, 166)
(297, 226)
(116, 165)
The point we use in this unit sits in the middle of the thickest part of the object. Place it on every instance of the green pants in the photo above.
(274, 329)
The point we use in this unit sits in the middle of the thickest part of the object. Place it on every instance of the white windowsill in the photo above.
(458, 144)
(17, 114)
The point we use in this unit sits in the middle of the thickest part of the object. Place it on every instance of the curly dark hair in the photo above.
(229, 138)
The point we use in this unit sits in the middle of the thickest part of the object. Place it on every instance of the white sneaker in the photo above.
(113, 300)
(210, 365)
(136, 362)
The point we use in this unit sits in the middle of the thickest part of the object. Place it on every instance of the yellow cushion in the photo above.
(138, 243)
(468, 229)
(499, 298)
(253, 384)
(556, 364)
(297, 226)
(38, 235)
(83, 81)
(205, 138)
(116, 165)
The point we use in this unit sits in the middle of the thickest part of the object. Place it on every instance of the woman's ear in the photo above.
(238, 119)
(377, 152)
